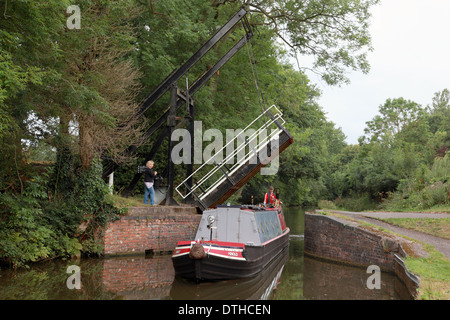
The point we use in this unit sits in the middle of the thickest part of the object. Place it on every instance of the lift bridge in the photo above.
(217, 178)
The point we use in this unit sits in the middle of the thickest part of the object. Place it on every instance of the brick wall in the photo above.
(154, 229)
(345, 242)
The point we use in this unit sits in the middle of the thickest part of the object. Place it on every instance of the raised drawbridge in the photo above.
(218, 178)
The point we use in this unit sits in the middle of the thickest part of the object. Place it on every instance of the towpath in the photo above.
(442, 245)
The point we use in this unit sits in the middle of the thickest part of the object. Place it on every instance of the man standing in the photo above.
(149, 181)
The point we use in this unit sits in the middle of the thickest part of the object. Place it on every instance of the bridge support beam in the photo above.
(171, 122)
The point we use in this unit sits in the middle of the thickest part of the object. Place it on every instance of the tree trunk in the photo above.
(86, 142)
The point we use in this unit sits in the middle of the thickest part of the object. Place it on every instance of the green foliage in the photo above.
(32, 228)
(401, 164)
(62, 174)
(395, 114)
(26, 233)
(439, 118)
(89, 194)
(334, 33)
(356, 202)
(82, 200)
(427, 188)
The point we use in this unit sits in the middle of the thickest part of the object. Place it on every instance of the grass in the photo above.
(122, 202)
(434, 209)
(439, 227)
(439, 209)
(434, 273)
(362, 204)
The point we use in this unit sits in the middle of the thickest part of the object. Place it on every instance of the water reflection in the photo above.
(291, 276)
(329, 281)
(138, 278)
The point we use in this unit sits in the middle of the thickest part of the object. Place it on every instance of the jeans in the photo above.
(149, 191)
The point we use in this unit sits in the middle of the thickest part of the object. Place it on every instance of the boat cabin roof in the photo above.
(250, 225)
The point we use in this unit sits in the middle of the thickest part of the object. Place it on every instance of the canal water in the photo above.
(293, 276)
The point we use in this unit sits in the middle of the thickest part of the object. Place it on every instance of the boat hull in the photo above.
(224, 260)
(258, 287)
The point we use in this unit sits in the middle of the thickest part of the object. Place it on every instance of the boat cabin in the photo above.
(250, 225)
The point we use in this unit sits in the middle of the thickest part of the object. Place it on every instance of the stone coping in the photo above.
(159, 212)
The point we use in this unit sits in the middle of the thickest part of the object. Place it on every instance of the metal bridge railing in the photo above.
(220, 171)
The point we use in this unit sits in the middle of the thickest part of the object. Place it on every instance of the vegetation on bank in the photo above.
(439, 227)
(43, 223)
(434, 273)
(434, 270)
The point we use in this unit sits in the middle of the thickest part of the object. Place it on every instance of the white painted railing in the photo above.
(209, 181)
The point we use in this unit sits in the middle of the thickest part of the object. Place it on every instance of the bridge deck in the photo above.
(218, 179)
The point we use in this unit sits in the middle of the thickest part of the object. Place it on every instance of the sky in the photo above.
(411, 59)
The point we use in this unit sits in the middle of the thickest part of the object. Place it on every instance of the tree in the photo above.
(335, 33)
(100, 81)
(441, 101)
(82, 76)
(394, 115)
(27, 53)
(439, 118)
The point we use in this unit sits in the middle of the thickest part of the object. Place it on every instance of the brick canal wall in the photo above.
(150, 229)
(346, 242)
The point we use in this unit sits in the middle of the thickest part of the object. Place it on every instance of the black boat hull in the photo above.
(215, 267)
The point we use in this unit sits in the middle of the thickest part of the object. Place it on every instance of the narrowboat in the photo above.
(232, 242)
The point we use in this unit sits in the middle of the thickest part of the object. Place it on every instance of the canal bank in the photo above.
(339, 238)
(150, 229)
(140, 276)
(156, 229)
